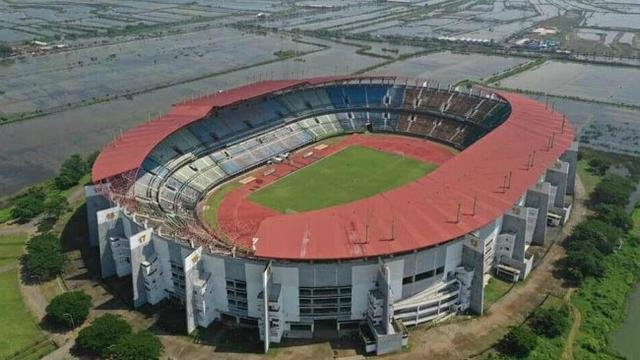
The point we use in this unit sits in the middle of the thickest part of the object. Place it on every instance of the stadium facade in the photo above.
(477, 214)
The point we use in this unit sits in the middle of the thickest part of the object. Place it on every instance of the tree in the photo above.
(103, 332)
(594, 233)
(71, 171)
(69, 309)
(614, 215)
(583, 263)
(518, 342)
(29, 205)
(549, 322)
(91, 159)
(599, 165)
(143, 345)
(613, 189)
(44, 257)
(55, 204)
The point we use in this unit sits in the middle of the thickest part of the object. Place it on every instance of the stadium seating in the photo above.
(375, 94)
(410, 98)
(354, 95)
(395, 96)
(179, 170)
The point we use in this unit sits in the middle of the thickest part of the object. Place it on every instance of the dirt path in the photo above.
(568, 347)
(12, 229)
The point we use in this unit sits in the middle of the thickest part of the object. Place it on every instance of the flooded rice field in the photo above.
(449, 68)
(625, 337)
(59, 79)
(597, 82)
(604, 127)
(32, 150)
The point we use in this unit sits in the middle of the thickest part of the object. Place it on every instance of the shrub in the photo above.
(583, 263)
(29, 205)
(69, 309)
(594, 233)
(55, 204)
(614, 190)
(143, 345)
(71, 171)
(549, 322)
(614, 215)
(92, 159)
(103, 332)
(44, 257)
(518, 342)
(599, 165)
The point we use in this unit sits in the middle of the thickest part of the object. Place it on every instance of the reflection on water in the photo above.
(625, 338)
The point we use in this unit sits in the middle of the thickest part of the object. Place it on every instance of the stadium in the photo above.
(343, 204)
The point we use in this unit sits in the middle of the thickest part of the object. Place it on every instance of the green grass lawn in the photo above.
(589, 179)
(5, 215)
(494, 290)
(11, 247)
(351, 174)
(19, 329)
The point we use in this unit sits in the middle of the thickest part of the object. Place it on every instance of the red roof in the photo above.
(423, 213)
(129, 151)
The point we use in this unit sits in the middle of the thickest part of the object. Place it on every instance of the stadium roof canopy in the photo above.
(485, 180)
(127, 152)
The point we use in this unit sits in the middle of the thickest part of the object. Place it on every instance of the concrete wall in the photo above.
(571, 157)
(110, 224)
(190, 272)
(472, 259)
(215, 266)
(141, 250)
(557, 175)
(95, 203)
(515, 222)
(364, 279)
(538, 198)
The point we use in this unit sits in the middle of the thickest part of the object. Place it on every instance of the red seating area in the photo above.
(410, 96)
(461, 104)
(423, 125)
(483, 109)
(445, 130)
(435, 99)
(403, 123)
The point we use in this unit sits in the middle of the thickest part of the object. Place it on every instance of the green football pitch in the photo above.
(351, 174)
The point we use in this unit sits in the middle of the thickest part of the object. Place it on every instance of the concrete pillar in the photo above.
(515, 222)
(538, 198)
(473, 259)
(109, 223)
(557, 175)
(571, 157)
(95, 203)
(141, 248)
